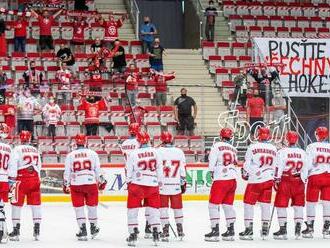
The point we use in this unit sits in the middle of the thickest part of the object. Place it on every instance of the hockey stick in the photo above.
(104, 205)
(173, 230)
(271, 217)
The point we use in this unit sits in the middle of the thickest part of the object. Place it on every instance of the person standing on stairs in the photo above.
(210, 13)
(147, 33)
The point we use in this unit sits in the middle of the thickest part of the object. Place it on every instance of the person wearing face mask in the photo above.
(132, 85)
(147, 32)
(210, 13)
(33, 76)
(156, 56)
(183, 106)
(52, 114)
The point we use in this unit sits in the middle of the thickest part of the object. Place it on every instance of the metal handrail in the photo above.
(135, 15)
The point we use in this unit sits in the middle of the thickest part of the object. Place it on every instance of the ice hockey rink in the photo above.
(59, 227)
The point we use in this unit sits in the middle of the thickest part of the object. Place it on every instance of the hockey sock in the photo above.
(164, 217)
(154, 218)
(80, 216)
(132, 219)
(146, 213)
(326, 210)
(214, 214)
(310, 206)
(298, 214)
(36, 213)
(16, 214)
(178, 216)
(92, 214)
(282, 216)
(230, 213)
(265, 212)
(248, 214)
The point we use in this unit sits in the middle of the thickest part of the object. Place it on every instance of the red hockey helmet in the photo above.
(292, 137)
(25, 136)
(263, 133)
(166, 137)
(134, 128)
(80, 139)
(321, 133)
(4, 130)
(226, 133)
(143, 137)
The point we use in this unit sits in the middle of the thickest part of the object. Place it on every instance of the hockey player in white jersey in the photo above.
(174, 184)
(131, 143)
(318, 186)
(258, 170)
(5, 151)
(222, 165)
(144, 176)
(83, 179)
(24, 181)
(290, 177)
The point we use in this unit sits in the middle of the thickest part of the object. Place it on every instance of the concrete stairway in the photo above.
(126, 32)
(192, 73)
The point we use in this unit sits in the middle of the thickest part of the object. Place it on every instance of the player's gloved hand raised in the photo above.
(245, 175)
(277, 182)
(66, 189)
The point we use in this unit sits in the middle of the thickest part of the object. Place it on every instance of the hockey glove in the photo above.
(245, 175)
(277, 182)
(66, 189)
(183, 185)
(102, 183)
(12, 190)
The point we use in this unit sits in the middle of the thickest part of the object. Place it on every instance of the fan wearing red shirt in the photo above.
(78, 39)
(8, 111)
(132, 85)
(255, 110)
(111, 28)
(46, 21)
(92, 106)
(160, 80)
(20, 27)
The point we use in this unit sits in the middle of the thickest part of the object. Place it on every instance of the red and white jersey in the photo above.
(82, 167)
(23, 159)
(222, 161)
(129, 145)
(260, 162)
(318, 158)
(174, 168)
(5, 151)
(144, 167)
(291, 162)
(111, 29)
(52, 113)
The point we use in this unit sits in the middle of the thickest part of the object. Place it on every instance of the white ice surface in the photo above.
(59, 227)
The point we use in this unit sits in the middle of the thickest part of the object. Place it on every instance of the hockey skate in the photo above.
(281, 234)
(247, 234)
(297, 230)
(82, 235)
(36, 231)
(326, 229)
(3, 227)
(264, 230)
(155, 236)
(14, 235)
(132, 238)
(147, 231)
(309, 231)
(94, 230)
(229, 234)
(179, 228)
(165, 234)
(213, 236)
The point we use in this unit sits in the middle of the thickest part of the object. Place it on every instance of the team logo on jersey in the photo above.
(112, 30)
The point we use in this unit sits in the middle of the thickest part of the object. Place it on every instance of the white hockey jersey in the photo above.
(5, 151)
(52, 113)
(23, 157)
(144, 167)
(129, 145)
(82, 167)
(174, 168)
(291, 162)
(318, 158)
(222, 161)
(260, 162)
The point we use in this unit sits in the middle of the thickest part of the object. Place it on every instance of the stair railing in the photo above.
(134, 12)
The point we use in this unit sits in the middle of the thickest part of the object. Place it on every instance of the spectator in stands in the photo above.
(279, 105)
(147, 32)
(132, 85)
(160, 80)
(183, 106)
(52, 114)
(210, 13)
(111, 28)
(26, 106)
(3, 87)
(64, 75)
(119, 60)
(255, 110)
(80, 5)
(156, 56)
(9, 113)
(20, 33)
(96, 46)
(46, 21)
(65, 55)
(92, 105)
(3, 41)
(33, 77)
(136, 114)
(78, 39)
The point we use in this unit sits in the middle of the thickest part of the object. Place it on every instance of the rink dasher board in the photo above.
(198, 183)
